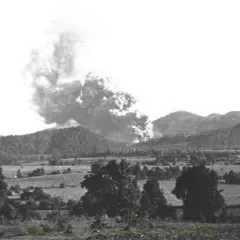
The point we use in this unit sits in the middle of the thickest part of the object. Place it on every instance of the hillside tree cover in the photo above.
(70, 142)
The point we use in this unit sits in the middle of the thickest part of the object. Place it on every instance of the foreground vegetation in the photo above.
(82, 229)
(121, 200)
(166, 231)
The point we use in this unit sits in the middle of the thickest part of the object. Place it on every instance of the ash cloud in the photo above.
(95, 104)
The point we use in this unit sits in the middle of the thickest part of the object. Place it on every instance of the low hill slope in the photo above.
(74, 140)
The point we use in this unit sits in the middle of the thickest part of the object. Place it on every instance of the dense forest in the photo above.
(67, 141)
(80, 142)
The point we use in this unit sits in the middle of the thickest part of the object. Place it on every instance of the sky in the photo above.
(170, 55)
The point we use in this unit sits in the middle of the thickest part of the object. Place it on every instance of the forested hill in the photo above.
(73, 141)
(78, 141)
(187, 123)
(226, 138)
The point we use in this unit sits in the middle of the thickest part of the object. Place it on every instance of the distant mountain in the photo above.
(68, 141)
(186, 123)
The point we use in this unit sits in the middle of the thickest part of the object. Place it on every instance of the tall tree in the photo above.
(6, 208)
(112, 190)
(153, 201)
(198, 188)
(3, 189)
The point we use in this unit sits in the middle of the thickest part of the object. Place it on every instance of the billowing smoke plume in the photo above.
(95, 104)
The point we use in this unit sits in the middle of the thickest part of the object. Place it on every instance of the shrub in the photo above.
(39, 229)
(16, 188)
(54, 172)
(77, 209)
(69, 228)
(35, 193)
(69, 170)
(55, 160)
(62, 185)
(35, 230)
(37, 172)
(70, 204)
(27, 211)
(46, 228)
(96, 166)
(57, 203)
(19, 173)
(45, 204)
(53, 216)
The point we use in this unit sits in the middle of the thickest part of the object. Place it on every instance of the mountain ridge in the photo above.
(187, 123)
(216, 139)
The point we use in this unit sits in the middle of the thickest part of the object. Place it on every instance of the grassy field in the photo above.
(50, 183)
(145, 230)
(11, 171)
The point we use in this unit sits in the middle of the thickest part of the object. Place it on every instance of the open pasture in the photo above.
(10, 171)
(50, 183)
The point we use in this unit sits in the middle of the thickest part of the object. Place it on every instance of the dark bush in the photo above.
(70, 204)
(77, 209)
(45, 204)
(53, 216)
(27, 210)
(69, 170)
(54, 172)
(19, 173)
(16, 188)
(62, 185)
(37, 172)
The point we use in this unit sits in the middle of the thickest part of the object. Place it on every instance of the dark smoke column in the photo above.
(95, 104)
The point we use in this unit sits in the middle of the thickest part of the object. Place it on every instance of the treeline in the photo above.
(31, 200)
(41, 172)
(143, 172)
(232, 177)
(193, 157)
(112, 190)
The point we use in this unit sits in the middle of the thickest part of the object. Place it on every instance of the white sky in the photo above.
(170, 55)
